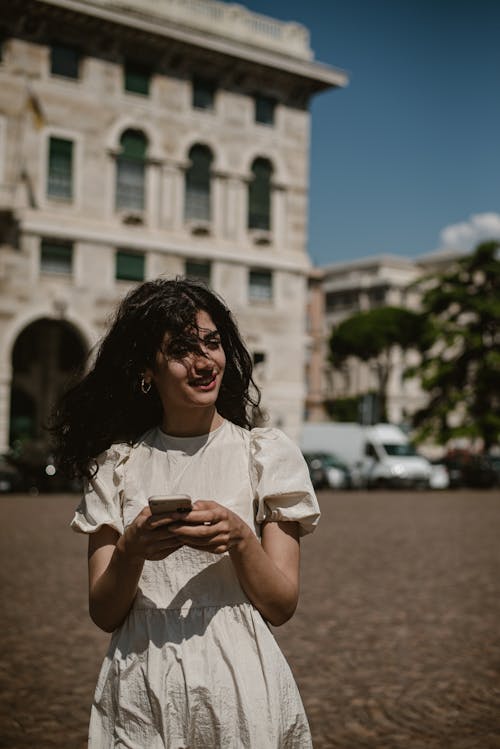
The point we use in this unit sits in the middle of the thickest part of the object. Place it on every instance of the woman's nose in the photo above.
(202, 359)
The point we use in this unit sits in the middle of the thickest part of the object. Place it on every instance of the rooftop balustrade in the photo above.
(222, 19)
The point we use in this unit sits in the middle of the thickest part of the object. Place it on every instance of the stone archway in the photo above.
(47, 354)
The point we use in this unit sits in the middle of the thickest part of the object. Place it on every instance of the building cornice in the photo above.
(125, 240)
(224, 19)
(314, 76)
(440, 257)
(316, 273)
(373, 261)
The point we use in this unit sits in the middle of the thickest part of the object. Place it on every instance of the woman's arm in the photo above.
(113, 579)
(268, 572)
(115, 566)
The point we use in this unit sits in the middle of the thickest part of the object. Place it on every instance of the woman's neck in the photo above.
(191, 424)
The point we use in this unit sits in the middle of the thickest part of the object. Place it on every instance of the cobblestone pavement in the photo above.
(395, 645)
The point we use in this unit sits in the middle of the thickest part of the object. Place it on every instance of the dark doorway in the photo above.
(46, 357)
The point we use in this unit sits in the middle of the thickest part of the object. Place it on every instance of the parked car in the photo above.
(454, 468)
(494, 462)
(439, 478)
(478, 473)
(37, 470)
(327, 470)
(10, 477)
(471, 470)
(316, 471)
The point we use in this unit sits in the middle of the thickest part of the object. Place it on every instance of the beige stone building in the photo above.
(343, 289)
(148, 137)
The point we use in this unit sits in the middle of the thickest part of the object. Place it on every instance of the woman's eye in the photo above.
(213, 344)
(176, 352)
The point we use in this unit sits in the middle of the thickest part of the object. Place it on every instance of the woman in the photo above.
(192, 662)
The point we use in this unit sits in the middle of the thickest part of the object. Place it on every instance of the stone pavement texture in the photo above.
(395, 644)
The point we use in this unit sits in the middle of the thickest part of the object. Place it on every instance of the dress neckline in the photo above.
(201, 438)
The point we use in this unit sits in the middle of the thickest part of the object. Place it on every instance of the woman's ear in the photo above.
(146, 380)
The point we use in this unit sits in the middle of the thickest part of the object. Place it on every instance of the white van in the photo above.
(382, 453)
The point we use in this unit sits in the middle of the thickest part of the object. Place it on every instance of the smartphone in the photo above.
(173, 503)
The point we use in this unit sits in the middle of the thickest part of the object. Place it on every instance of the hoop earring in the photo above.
(145, 386)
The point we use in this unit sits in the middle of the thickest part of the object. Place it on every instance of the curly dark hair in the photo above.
(107, 404)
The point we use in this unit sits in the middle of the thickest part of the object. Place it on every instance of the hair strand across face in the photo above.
(108, 404)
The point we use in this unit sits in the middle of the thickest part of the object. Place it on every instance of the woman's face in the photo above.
(194, 380)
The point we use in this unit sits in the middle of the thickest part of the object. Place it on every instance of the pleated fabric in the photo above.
(194, 665)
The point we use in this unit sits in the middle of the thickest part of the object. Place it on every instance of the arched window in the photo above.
(131, 170)
(259, 195)
(197, 202)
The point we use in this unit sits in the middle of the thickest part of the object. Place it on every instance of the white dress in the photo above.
(194, 665)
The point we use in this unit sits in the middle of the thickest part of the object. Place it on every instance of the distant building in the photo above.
(149, 137)
(355, 286)
(316, 355)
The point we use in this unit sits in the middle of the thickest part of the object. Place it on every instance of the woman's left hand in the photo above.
(210, 527)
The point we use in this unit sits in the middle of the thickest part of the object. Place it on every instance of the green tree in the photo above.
(371, 337)
(460, 364)
(343, 409)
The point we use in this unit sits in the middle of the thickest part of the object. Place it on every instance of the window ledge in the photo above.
(207, 110)
(140, 94)
(66, 78)
(59, 274)
(60, 199)
(261, 236)
(258, 302)
(199, 227)
(132, 218)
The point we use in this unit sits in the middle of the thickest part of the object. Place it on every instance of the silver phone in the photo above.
(160, 503)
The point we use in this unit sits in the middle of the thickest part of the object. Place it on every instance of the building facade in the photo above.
(146, 138)
(341, 290)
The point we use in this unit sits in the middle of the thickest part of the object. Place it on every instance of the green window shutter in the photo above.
(64, 61)
(137, 78)
(60, 169)
(203, 93)
(129, 266)
(260, 285)
(197, 202)
(134, 145)
(199, 270)
(56, 257)
(265, 107)
(259, 196)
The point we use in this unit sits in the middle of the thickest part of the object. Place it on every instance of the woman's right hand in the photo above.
(148, 537)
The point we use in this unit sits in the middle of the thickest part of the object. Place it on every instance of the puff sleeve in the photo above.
(101, 502)
(280, 479)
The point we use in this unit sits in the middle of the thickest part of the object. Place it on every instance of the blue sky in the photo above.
(406, 159)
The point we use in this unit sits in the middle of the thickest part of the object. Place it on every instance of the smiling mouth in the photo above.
(203, 381)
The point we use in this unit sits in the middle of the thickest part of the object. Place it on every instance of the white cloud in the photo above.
(467, 234)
